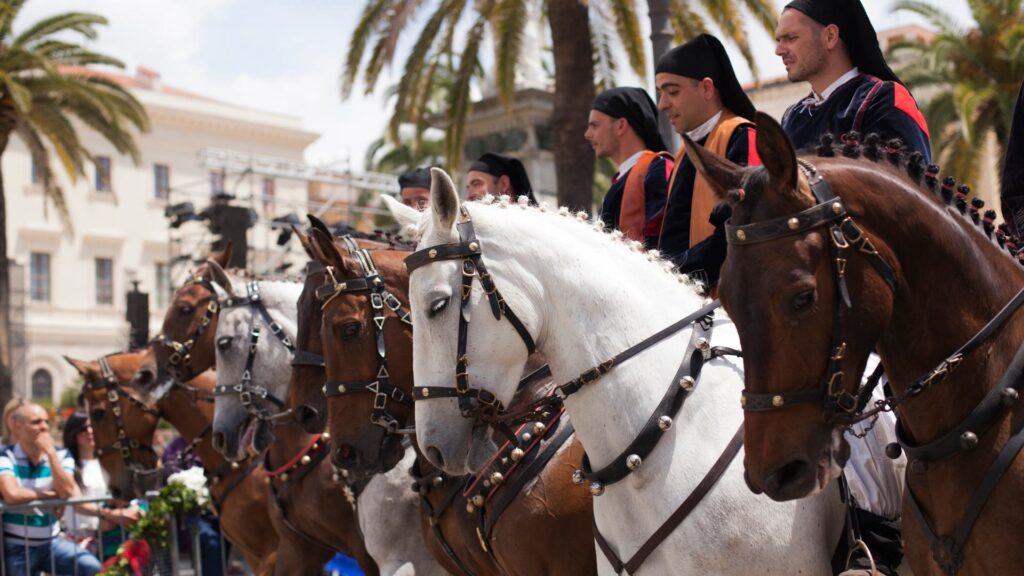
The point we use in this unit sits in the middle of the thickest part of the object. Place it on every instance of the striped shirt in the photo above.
(36, 526)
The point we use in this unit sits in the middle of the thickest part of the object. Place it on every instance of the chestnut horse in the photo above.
(834, 256)
(537, 508)
(237, 491)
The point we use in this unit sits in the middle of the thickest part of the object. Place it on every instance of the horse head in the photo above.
(253, 348)
(447, 430)
(364, 327)
(123, 425)
(184, 347)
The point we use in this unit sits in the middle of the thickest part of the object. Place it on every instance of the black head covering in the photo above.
(415, 178)
(497, 165)
(705, 57)
(637, 108)
(855, 30)
(74, 424)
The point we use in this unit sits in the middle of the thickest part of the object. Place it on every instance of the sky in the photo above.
(287, 56)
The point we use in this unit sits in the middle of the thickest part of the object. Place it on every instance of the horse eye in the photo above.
(803, 300)
(186, 310)
(351, 329)
(97, 414)
(224, 341)
(438, 305)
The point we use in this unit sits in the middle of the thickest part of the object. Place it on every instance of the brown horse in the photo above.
(796, 256)
(549, 516)
(238, 492)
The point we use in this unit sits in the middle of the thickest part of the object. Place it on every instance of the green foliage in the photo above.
(153, 527)
(978, 72)
(69, 396)
(46, 83)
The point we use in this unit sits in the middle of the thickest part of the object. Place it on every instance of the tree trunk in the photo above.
(661, 41)
(6, 363)
(574, 94)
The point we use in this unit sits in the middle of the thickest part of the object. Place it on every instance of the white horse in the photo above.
(585, 296)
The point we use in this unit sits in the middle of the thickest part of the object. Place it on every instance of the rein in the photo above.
(179, 363)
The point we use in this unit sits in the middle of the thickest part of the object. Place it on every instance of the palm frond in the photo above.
(937, 17)
(510, 21)
(627, 25)
(728, 18)
(81, 22)
(369, 20)
(687, 22)
(765, 13)
(460, 95)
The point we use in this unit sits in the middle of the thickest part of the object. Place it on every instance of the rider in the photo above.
(1012, 192)
(832, 45)
(623, 126)
(414, 188)
(703, 99)
(498, 175)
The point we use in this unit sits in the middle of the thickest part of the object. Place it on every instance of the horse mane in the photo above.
(926, 178)
(588, 225)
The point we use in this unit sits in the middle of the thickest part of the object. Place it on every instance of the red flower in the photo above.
(109, 562)
(137, 553)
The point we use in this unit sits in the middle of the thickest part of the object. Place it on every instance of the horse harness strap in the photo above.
(844, 234)
(947, 551)
(381, 300)
(422, 486)
(123, 444)
(689, 504)
(180, 361)
(310, 458)
(245, 388)
(679, 389)
(469, 251)
(218, 503)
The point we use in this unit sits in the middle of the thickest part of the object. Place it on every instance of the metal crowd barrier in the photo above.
(162, 562)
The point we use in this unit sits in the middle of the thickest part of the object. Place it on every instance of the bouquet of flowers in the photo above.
(185, 493)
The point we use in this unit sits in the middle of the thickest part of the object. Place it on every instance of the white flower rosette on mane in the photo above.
(195, 480)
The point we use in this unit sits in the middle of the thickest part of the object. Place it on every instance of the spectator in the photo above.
(12, 405)
(34, 469)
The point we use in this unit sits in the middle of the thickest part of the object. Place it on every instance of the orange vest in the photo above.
(633, 212)
(704, 198)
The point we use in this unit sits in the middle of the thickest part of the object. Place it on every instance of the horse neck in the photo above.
(191, 417)
(599, 299)
(934, 246)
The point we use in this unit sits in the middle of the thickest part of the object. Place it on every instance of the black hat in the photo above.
(497, 165)
(705, 57)
(855, 30)
(415, 178)
(637, 108)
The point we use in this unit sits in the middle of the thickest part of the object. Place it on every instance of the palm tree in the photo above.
(976, 73)
(582, 38)
(408, 153)
(44, 84)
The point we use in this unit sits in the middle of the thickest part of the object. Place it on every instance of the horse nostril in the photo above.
(344, 456)
(143, 377)
(434, 456)
(794, 479)
(750, 483)
(115, 492)
(219, 441)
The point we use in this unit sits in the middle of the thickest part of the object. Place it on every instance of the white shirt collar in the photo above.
(702, 131)
(628, 163)
(816, 98)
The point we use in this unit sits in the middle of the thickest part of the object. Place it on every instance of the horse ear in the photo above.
(81, 365)
(444, 200)
(318, 224)
(722, 174)
(304, 240)
(218, 275)
(777, 154)
(405, 215)
(223, 257)
(328, 254)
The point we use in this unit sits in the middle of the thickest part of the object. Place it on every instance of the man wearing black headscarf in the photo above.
(832, 45)
(703, 99)
(498, 175)
(414, 188)
(623, 126)
(1012, 192)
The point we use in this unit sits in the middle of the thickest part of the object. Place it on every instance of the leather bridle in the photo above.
(249, 393)
(477, 403)
(839, 405)
(179, 363)
(123, 444)
(381, 300)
